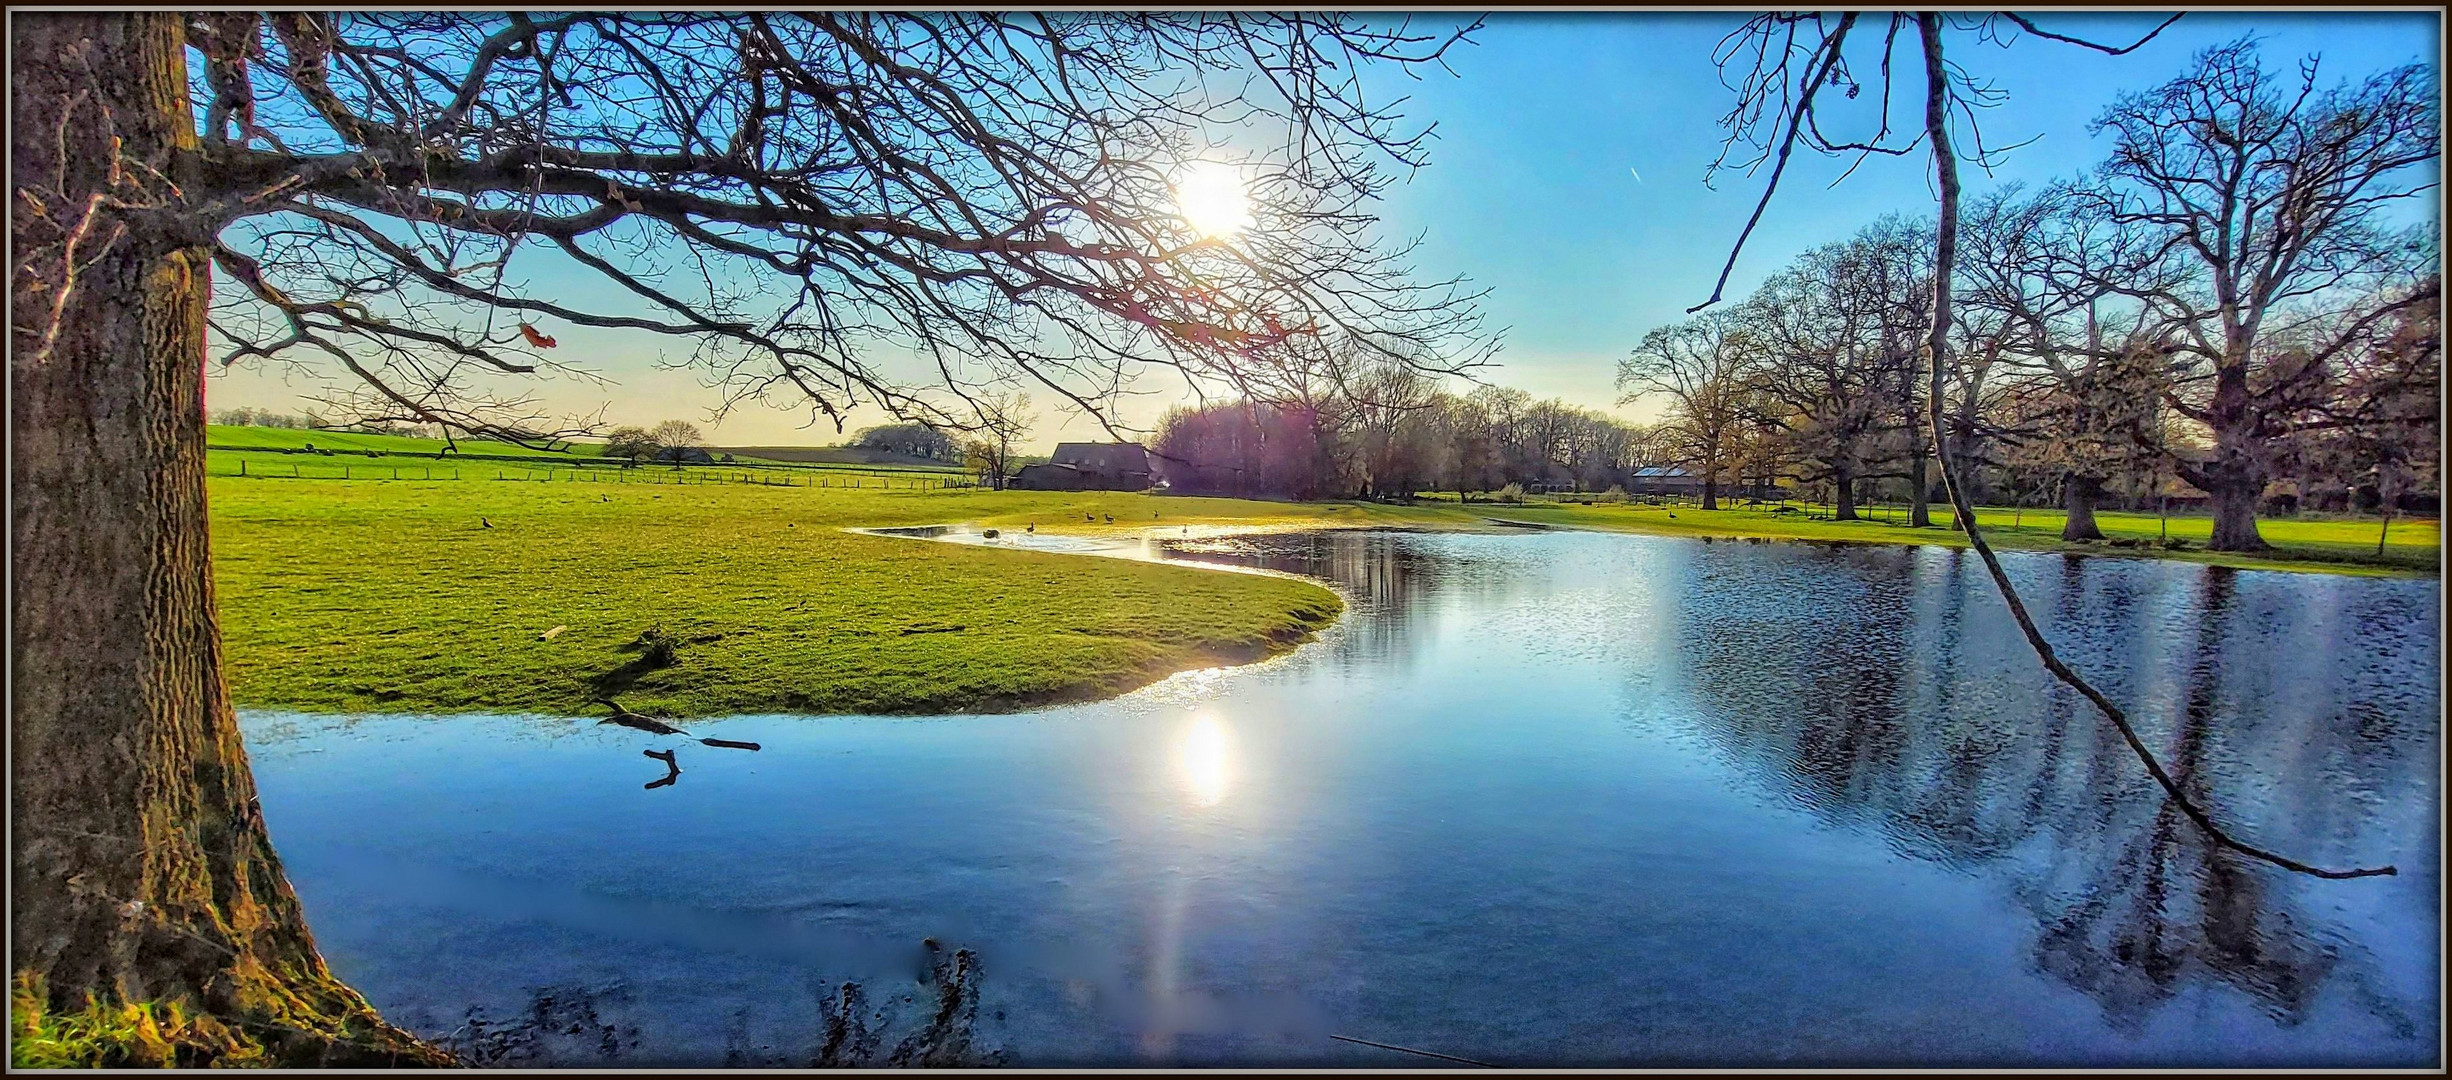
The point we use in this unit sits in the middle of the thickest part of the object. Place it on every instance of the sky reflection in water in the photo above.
(1554, 799)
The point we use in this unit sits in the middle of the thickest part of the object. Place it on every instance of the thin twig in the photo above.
(1410, 1050)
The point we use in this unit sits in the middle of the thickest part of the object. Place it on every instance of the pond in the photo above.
(1555, 799)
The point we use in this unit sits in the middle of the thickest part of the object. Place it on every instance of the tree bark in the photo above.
(1711, 492)
(1844, 509)
(2235, 516)
(143, 872)
(2078, 494)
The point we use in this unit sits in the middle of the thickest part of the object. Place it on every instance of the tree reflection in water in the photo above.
(1859, 683)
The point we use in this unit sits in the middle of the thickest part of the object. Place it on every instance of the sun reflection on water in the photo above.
(1204, 758)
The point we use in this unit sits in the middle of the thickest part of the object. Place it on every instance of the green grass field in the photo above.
(2413, 546)
(278, 449)
(265, 438)
(435, 596)
(379, 596)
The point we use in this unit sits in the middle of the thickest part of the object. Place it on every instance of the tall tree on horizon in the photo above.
(2273, 198)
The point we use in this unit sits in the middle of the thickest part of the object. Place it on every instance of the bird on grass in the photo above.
(629, 719)
(1110, 519)
(1089, 517)
(1034, 527)
(1672, 515)
(483, 522)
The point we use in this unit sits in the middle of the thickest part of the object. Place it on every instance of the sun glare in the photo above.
(1204, 759)
(1210, 195)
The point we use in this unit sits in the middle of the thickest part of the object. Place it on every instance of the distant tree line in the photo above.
(911, 440)
(672, 442)
(266, 418)
(1401, 437)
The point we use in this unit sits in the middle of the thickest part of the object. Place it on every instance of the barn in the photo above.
(1089, 467)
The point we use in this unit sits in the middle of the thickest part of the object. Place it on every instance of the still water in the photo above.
(1566, 799)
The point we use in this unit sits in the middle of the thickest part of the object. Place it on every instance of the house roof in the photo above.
(1107, 458)
(1656, 472)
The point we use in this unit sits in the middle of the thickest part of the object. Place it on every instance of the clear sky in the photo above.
(1532, 191)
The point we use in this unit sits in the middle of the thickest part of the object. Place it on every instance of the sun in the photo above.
(1210, 196)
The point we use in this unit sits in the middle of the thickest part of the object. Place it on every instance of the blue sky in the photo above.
(1531, 191)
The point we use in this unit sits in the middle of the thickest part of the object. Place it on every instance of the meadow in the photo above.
(444, 596)
(302, 453)
(2347, 546)
(437, 596)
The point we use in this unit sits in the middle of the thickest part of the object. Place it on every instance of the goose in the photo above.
(487, 524)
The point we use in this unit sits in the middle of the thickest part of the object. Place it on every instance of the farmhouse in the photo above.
(1088, 467)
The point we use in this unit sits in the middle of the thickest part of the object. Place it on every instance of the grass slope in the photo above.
(265, 438)
(2335, 546)
(384, 596)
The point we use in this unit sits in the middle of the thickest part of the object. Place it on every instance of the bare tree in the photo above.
(2275, 197)
(2037, 275)
(674, 441)
(1700, 366)
(1821, 367)
(629, 443)
(788, 198)
(1004, 419)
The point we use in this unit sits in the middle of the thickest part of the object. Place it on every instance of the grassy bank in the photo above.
(433, 597)
(2332, 546)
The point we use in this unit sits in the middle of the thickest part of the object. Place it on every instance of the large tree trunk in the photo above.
(143, 872)
(1845, 484)
(2234, 477)
(2235, 501)
(2078, 494)
(1711, 491)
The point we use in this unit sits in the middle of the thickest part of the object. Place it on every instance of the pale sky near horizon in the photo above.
(1533, 192)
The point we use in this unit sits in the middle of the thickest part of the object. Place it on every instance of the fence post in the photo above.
(242, 466)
